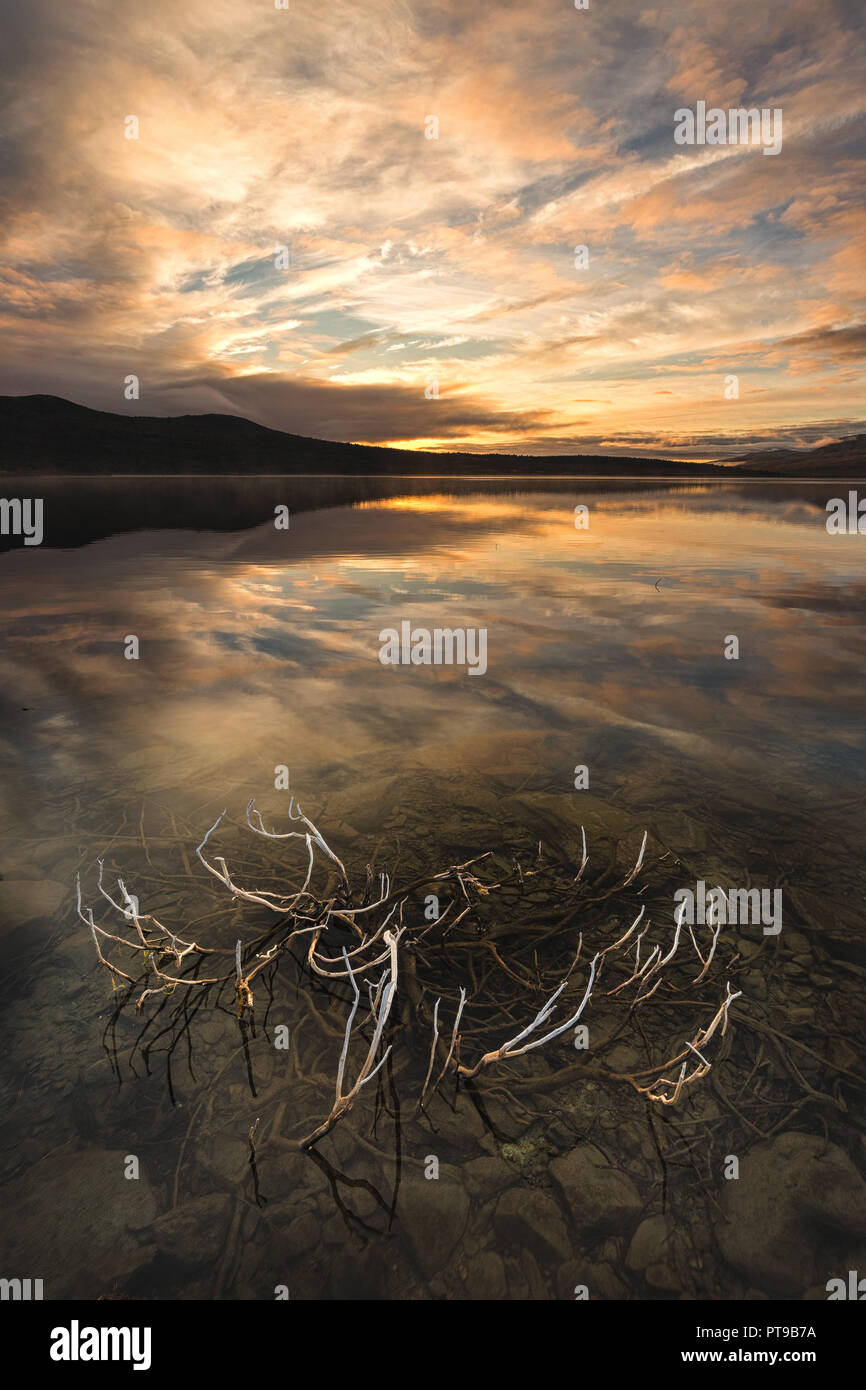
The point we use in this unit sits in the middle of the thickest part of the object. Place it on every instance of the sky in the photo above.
(430, 295)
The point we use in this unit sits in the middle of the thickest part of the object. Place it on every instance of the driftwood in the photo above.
(359, 939)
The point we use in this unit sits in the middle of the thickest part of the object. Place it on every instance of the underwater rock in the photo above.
(337, 1231)
(460, 1128)
(224, 1158)
(753, 985)
(358, 1274)
(623, 1058)
(298, 1230)
(797, 943)
(798, 1016)
(534, 1278)
(635, 1139)
(195, 1232)
(651, 1254)
(69, 1220)
(530, 1219)
(487, 1177)
(796, 1201)
(599, 1197)
(485, 1278)
(433, 1214)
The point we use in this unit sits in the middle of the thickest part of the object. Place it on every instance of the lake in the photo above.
(150, 1153)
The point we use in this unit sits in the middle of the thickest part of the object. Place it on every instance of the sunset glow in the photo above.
(431, 298)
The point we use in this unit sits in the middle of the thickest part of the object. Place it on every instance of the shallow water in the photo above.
(260, 648)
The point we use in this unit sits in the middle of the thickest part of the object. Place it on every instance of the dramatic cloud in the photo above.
(431, 293)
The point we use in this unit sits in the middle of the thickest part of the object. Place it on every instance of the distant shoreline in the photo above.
(735, 476)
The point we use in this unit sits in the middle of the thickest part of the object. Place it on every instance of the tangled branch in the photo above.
(348, 937)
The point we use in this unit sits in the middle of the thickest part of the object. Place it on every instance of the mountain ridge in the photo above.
(49, 434)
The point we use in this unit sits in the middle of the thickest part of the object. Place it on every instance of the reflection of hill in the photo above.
(44, 434)
(78, 511)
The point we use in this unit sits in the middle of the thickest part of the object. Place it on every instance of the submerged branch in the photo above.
(374, 920)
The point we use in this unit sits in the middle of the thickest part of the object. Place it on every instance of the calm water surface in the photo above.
(259, 647)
